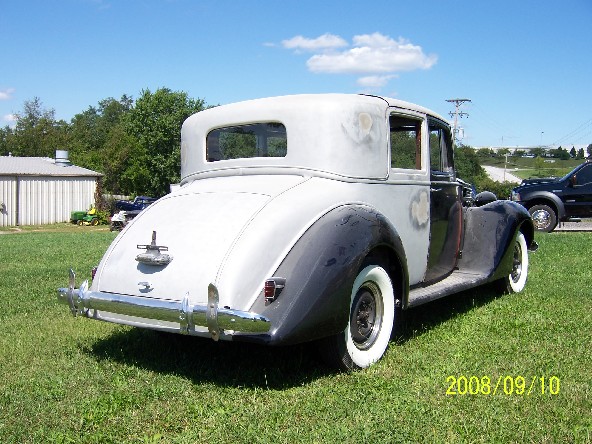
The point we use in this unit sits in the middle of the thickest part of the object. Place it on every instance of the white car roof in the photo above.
(337, 134)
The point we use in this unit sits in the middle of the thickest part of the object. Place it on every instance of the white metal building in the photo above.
(41, 190)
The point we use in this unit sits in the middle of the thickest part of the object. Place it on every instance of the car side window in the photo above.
(441, 157)
(405, 140)
(584, 176)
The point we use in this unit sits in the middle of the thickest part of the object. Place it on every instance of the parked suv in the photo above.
(552, 200)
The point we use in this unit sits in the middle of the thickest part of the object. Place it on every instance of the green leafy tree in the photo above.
(573, 152)
(91, 130)
(36, 132)
(485, 152)
(589, 150)
(538, 151)
(466, 164)
(581, 154)
(155, 122)
(5, 140)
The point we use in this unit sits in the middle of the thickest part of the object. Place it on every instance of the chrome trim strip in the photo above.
(81, 301)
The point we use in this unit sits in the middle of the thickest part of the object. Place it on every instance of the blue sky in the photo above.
(525, 64)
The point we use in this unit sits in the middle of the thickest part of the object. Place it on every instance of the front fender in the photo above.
(320, 270)
(490, 232)
(531, 198)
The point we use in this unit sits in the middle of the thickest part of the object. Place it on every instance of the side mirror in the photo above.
(573, 181)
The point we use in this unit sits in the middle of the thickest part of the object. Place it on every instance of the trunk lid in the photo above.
(196, 227)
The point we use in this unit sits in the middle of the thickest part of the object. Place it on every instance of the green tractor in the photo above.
(89, 217)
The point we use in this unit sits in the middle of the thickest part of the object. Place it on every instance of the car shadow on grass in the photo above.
(421, 319)
(239, 364)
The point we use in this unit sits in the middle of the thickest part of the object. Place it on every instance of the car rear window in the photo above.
(266, 139)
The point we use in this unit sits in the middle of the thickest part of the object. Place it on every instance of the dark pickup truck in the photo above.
(138, 204)
(552, 200)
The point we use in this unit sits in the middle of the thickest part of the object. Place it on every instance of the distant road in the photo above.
(497, 174)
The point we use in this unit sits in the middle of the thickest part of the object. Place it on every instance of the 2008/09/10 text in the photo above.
(503, 385)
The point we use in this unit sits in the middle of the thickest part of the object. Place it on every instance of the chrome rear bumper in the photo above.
(183, 312)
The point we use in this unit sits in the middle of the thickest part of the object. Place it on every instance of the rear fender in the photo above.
(320, 270)
(490, 232)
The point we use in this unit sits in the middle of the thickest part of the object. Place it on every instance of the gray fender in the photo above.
(320, 270)
(531, 198)
(489, 235)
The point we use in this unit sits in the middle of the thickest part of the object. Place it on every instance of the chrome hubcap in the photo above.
(541, 218)
(366, 316)
(517, 263)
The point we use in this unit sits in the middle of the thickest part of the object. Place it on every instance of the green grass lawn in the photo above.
(65, 379)
(524, 167)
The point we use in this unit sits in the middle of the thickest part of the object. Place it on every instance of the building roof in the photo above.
(41, 166)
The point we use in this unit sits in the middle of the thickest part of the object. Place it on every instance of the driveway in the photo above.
(497, 174)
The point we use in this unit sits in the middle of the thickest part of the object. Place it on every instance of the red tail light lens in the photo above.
(272, 288)
(269, 289)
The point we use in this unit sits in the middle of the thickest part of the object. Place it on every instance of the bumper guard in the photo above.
(81, 301)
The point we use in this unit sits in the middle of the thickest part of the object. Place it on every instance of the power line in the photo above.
(457, 113)
(584, 126)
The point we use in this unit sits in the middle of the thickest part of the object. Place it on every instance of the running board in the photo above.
(456, 282)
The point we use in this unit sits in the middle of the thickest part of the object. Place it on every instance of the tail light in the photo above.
(272, 288)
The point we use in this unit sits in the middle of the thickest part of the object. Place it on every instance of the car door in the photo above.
(445, 205)
(578, 193)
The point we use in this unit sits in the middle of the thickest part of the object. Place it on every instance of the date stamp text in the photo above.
(502, 385)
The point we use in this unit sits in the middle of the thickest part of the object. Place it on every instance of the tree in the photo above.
(466, 164)
(485, 152)
(589, 150)
(581, 154)
(538, 151)
(573, 152)
(155, 122)
(91, 130)
(36, 132)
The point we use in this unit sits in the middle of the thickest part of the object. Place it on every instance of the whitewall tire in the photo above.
(371, 320)
(516, 280)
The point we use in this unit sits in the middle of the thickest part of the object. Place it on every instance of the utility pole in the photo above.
(457, 113)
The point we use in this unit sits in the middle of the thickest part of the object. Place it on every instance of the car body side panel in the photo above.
(320, 270)
(490, 232)
(273, 233)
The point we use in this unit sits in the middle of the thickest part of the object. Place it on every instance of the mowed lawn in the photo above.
(520, 365)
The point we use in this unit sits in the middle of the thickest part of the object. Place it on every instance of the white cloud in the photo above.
(326, 41)
(373, 54)
(10, 119)
(6, 94)
(376, 56)
(375, 81)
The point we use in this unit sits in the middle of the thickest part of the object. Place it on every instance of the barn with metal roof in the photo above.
(41, 190)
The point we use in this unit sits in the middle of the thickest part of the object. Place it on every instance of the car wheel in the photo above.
(516, 280)
(371, 320)
(543, 217)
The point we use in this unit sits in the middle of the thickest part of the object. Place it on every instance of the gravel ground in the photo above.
(584, 225)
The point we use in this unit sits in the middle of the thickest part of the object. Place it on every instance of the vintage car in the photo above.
(306, 218)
